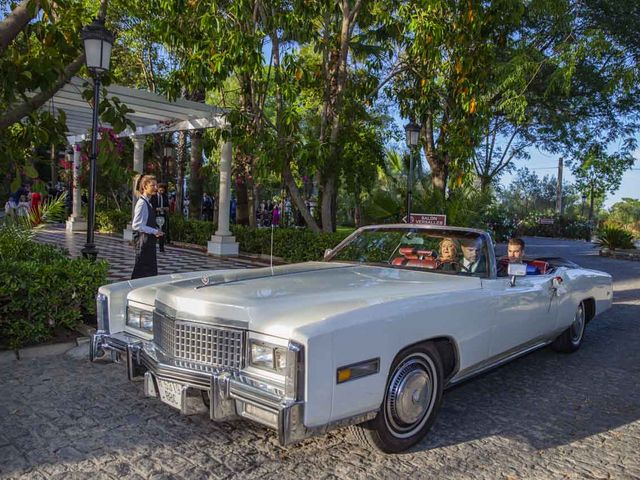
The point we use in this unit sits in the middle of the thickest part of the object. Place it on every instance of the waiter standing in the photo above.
(160, 202)
(145, 229)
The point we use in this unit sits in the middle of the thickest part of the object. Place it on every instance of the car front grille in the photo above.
(199, 343)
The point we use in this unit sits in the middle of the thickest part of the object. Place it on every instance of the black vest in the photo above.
(151, 214)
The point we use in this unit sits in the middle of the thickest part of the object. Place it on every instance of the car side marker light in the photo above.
(358, 370)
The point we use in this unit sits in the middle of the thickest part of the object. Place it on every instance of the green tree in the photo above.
(627, 213)
(599, 172)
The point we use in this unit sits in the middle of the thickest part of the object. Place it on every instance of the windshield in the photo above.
(446, 251)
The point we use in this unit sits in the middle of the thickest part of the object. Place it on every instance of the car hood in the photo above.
(277, 301)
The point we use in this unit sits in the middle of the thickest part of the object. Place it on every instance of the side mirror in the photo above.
(516, 270)
(328, 252)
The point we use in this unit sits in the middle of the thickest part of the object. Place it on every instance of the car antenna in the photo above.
(271, 255)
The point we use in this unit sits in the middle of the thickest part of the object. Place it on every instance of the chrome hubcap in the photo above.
(410, 396)
(577, 327)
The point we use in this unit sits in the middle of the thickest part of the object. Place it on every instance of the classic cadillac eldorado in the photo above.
(367, 338)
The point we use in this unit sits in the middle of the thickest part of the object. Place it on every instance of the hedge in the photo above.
(562, 227)
(42, 290)
(112, 221)
(291, 244)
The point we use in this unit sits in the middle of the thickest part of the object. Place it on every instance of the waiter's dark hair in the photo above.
(142, 181)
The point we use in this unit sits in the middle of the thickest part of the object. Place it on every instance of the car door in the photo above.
(525, 313)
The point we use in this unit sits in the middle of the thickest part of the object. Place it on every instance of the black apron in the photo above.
(145, 246)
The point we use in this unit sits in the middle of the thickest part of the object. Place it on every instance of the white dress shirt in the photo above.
(141, 216)
(469, 266)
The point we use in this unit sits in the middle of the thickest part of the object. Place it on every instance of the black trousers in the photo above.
(146, 263)
(165, 229)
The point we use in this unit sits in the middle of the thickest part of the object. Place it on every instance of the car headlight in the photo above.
(268, 356)
(140, 318)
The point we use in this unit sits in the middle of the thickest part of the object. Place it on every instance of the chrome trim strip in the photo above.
(496, 362)
(171, 312)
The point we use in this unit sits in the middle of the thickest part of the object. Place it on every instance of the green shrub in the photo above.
(41, 289)
(16, 245)
(112, 221)
(562, 227)
(614, 237)
(292, 244)
(190, 231)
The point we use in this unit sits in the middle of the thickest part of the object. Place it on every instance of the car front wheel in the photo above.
(411, 402)
(570, 340)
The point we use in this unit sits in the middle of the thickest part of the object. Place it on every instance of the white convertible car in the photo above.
(370, 337)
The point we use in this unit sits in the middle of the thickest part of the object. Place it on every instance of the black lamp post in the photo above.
(584, 200)
(97, 48)
(412, 132)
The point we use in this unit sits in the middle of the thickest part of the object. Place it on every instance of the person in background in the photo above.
(232, 209)
(207, 207)
(36, 207)
(185, 206)
(145, 229)
(160, 202)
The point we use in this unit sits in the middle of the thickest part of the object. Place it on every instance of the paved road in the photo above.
(543, 416)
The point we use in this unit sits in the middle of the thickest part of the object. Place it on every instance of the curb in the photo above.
(41, 350)
(621, 254)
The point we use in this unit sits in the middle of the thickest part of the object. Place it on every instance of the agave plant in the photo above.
(612, 237)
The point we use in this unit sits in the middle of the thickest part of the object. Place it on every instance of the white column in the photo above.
(138, 167)
(223, 243)
(75, 222)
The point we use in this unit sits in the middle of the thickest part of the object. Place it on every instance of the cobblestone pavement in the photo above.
(543, 416)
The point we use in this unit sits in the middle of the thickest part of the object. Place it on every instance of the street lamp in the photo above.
(584, 200)
(412, 132)
(167, 154)
(97, 49)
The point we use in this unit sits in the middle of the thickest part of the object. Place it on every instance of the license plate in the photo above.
(170, 393)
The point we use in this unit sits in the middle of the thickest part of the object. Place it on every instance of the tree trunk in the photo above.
(54, 164)
(436, 160)
(181, 159)
(252, 200)
(13, 23)
(286, 166)
(485, 183)
(242, 205)
(336, 79)
(195, 179)
(298, 201)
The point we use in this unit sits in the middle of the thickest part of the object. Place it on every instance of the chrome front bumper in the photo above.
(231, 394)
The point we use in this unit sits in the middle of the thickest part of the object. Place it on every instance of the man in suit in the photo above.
(472, 259)
(160, 201)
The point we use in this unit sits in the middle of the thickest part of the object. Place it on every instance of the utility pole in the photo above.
(559, 187)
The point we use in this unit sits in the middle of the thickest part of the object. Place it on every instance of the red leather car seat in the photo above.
(541, 265)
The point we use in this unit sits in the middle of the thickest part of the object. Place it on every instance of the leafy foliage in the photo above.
(112, 221)
(41, 289)
(614, 238)
(626, 214)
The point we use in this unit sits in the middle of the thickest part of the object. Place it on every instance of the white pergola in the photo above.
(152, 114)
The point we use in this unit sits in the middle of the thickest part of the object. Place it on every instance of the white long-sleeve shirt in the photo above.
(141, 216)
